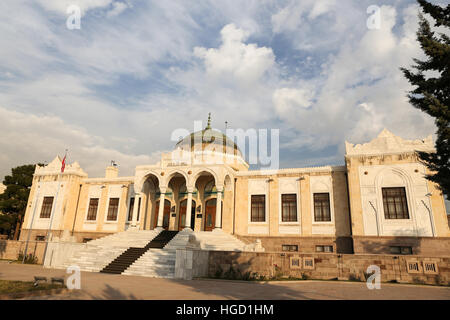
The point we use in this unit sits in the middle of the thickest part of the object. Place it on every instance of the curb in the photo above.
(322, 281)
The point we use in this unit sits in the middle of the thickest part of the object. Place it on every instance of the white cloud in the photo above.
(245, 62)
(287, 100)
(321, 7)
(26, 138)
(297, 13)
(118, 8)
(118, 80)
(363, 91)
(60, 6)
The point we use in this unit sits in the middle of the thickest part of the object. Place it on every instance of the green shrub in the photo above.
(393, 281)
(366, 275)
(353, 277)
(29, 258)
(247, 276)
(218, 273)
(418, 280)
(231, 274)
(278, 273)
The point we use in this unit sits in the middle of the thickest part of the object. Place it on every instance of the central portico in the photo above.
(190, 187)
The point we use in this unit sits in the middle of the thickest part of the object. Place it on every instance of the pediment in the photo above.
(387, 142)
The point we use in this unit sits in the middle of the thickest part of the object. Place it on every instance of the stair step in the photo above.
(131, 255)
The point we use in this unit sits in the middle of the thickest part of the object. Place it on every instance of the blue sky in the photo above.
(138, 70)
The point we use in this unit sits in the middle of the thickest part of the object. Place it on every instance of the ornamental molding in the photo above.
(54, 168)
(388, 143)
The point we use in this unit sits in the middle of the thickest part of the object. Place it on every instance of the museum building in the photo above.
(203, 194)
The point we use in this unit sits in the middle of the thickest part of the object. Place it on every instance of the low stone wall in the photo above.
(79, 236)
(423, 246)
(328, 266)
(191, 264)
(10, 249)
(58, 253)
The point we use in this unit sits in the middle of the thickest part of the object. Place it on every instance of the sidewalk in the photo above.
(108, 286)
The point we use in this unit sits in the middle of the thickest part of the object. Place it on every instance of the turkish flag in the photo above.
(63, 164)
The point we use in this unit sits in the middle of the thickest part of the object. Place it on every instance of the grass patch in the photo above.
(11, 287)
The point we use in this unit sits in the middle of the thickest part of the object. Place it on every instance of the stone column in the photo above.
(161, 207)
(187, 225)
(135, 210)
(219, 207)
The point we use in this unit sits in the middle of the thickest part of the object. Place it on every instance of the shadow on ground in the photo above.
(110, 293)
(248, 290)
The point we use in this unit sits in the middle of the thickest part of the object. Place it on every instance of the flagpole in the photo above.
(63, 166)
(51, 220)
(31, 225)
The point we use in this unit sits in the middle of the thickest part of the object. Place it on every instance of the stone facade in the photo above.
(437, 246)
(329, 266)
(202, 194)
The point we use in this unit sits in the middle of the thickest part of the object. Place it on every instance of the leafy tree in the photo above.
(13, 201)
(7, 223)
(431, 93)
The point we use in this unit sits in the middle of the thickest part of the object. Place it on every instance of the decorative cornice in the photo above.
(109, 180)
(325, 169)
(54, 168)
(388, 143)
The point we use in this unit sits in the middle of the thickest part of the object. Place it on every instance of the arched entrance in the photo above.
(166, 214)
(182, 215)
(210, 214)
(142, 203)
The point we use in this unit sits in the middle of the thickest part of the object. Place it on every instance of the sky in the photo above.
(138, 70)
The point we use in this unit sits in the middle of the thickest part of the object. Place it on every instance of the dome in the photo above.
(209, 139)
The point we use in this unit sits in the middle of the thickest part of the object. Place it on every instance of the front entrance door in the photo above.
(210, 214)
(166, 214)
(182, 215)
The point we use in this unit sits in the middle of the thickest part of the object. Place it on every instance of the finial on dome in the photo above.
(208, 126)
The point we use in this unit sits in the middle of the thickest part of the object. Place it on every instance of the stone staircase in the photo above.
(150, 253)
(131, 255)
(217, 240)
(158, 263)
(97, 254)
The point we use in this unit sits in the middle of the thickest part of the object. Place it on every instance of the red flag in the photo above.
(63, 164)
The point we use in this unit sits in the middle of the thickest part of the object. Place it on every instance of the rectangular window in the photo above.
(323, 248)
(130, 210)
(113, 209)
(322, 207)
(92, 211)
(289, 247)
(400, 250)
(46, 210)
(394, 202)
(289, 207)
(258, 213)
(40, 238)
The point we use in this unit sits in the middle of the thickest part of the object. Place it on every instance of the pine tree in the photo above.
(431, 93)
(13, 201)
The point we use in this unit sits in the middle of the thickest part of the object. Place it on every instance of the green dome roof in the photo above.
(207, 137)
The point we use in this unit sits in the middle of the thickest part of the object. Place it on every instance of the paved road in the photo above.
(106, 286)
